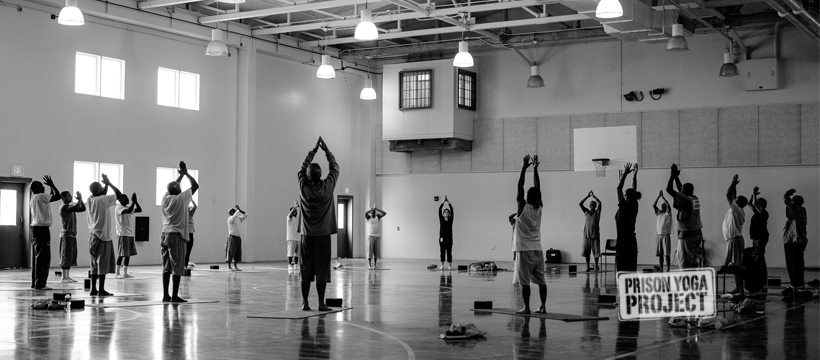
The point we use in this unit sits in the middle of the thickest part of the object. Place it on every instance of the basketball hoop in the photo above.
(600, 166)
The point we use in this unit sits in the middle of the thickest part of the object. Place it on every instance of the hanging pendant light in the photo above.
(216, 47)
(366, 30)
(677, 42)
(368, 93)
(535, 80)
(729, 68)
(71, 15)
(326, 71)
(463, 58)
(608, 9)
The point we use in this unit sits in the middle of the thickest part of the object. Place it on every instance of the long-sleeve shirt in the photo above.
(316, 205)
(445, 226)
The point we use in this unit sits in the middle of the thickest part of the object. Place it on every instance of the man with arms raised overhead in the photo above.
(175, 232)
(529, 257)
(100, 223)
(689, 226)
(40, 231)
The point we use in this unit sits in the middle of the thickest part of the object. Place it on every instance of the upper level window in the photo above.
(466, 89)
(99, 76)
(415, 89)
(177, 89)
(86, 172)
(166, 175)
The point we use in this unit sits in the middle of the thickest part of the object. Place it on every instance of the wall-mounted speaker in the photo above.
(141, 228)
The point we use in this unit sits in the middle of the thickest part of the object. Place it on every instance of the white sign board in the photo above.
(617, 143)
(643, 296)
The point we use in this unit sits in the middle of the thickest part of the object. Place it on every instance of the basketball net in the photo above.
(600, 167)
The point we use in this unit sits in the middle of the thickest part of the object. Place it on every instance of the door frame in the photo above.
(349, 225)
(26, 212)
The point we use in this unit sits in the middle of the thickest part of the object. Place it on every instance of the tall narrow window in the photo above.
(415, 89)
(86, 172)
(466, 89)
(177, 89)
(99, 76)
(166, 175)
(340, 216)
(8, 207)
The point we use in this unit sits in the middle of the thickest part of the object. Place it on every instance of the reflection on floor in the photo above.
(397, 314)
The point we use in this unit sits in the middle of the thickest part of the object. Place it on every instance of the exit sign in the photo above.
(17, 170)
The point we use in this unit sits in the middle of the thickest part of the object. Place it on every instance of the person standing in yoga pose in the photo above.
(529, 256)
(445, 233)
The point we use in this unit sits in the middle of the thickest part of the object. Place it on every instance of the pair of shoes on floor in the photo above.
(814, 283)
(119, 276)
(466, 329)
(290, 266)
(590, 269)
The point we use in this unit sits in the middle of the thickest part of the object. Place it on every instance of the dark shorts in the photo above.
(102, 256)
(315, 252)
(173, 253)
(233, 249)
(127, 247)
(68, 251)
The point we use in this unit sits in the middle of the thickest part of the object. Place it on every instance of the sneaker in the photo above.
(118, 276)
(597, 268)
(43, 288)
(590, 269)
(191, 264)
(787, 292)
(128, 276)
(290, 266)
(66, 281)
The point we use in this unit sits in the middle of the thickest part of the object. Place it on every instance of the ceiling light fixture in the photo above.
(71, 15)
(326, 71)
(729, 68)
(368, 93)
(677, 42)
(608, 9)
(463, 58)
(216, 47)
(366, 30)
(535, 80)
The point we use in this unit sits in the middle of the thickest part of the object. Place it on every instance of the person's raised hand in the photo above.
(735, 181)
(635, 168)
(183, 168)
(105, 179)
(47, 180)
(134, 198)
(627, 168)
(756, 191)
(526, 161)
(675, 171)
(445, 198)
(295, 202)
(590, 194)
(790, 192)
(323, 144)
(79, 196)
(535, 161)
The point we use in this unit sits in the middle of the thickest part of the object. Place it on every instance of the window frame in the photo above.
(473, 91)
(161, 193)
(401, 89)
(118, 181)
(178, 88)
(98, 65)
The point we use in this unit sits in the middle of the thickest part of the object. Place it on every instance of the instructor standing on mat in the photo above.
(445, 233)
(318, 213)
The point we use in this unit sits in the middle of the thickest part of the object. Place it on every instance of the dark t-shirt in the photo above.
(625, 218)
(445, 226)
(758, 226)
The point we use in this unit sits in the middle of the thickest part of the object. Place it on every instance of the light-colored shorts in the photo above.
(102, 256)
(373, 246)
(592, 245)
(734, 250)
(68, 251)
(663, 245)
(173, 253)
(293, 246)
(529, 268)
(233, 249)
(127, 247)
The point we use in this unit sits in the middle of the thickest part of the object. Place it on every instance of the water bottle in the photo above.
(67, 302)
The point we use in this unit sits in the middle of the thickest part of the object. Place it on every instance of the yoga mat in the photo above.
(49, 283)
(159, 272)
(551, 316)
(147, 303)
(360, 268)
(76, 296)
(296, 313)
(229, 271)
(74, 287)
(132, 278)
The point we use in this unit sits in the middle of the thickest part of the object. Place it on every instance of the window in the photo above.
(415, 89)
(466, 89)
(8, 207)
(177, 89)
(166, 175)
(340, 217)
(99, 76)
(86, 173)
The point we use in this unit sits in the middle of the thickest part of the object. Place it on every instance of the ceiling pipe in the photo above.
(784, 13)
(777, 39)
(690, 15)
(797, 9)
(741, 46)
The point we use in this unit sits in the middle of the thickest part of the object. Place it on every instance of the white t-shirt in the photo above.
(40, 211)
(99, 222)
(664, 223)
(374, 226)
(293, 228)
(175, 213)
(125, 222)
(233, 224)
(733, 222)
(528, 229)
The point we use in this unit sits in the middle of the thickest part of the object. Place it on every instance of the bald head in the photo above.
(96, 189)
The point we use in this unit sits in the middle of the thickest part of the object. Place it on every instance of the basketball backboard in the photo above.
(618, 143)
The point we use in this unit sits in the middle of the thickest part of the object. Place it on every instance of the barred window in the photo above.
(466, 89)
(415, 89)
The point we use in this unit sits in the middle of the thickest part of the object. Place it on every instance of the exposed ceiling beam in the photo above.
(397, 17)
(410, 4)
(453, 29)
(281, 10)
(162, 3)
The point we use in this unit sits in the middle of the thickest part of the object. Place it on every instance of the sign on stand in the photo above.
(643, 296)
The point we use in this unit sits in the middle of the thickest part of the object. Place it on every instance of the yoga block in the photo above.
(573, 268)
(773, 282)
(58, 273)
(482, 305)
(607, 299)
(77, 304)
(463, 267)
(214, 267)
(333, 302)
(648, 270)
(187, 272)
(87, 283)
(59, 296)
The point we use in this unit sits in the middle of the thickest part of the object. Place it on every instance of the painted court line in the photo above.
(147, 303)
